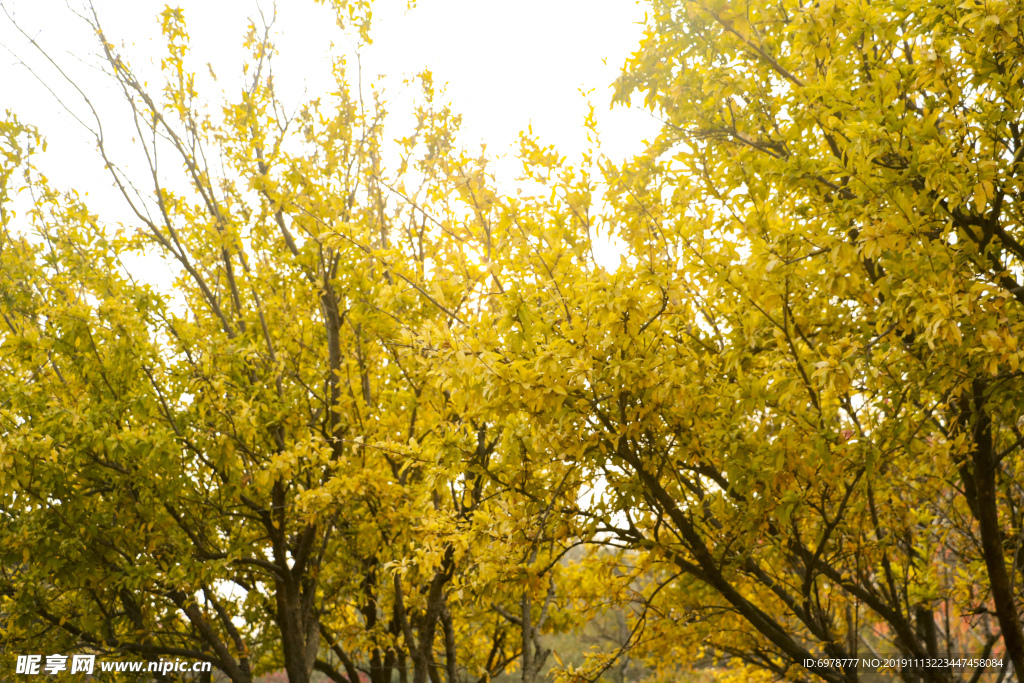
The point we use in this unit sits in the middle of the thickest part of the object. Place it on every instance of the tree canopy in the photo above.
(394, 422)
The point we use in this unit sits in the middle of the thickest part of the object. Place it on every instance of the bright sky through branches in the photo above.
(506, 65)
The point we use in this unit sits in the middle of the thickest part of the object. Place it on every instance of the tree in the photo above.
(800, 391)
(254, 469)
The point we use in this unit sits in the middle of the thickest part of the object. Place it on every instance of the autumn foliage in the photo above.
(394, 423)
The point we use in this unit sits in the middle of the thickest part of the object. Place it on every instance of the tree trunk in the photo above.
(979, 477)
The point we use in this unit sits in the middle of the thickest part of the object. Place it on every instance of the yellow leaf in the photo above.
(980, 197)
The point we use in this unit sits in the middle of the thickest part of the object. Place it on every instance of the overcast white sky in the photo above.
(507, 65)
